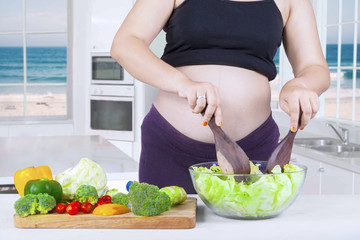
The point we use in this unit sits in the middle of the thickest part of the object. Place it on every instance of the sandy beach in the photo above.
(48, 104)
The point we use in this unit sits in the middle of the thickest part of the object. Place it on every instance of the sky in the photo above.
(42, 15)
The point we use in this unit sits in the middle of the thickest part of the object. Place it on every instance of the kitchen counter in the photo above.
(350, 164)
(310, 217)
(61, 153)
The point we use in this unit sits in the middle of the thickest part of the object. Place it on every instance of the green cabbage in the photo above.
(256, 196)
(86, 172)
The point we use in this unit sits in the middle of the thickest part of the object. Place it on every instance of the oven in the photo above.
(112, 111)
(105, 70)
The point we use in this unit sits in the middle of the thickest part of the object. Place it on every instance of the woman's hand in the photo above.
(294, 96)
(201, 95)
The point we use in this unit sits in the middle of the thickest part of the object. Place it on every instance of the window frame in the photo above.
(286, 74)
(13, 120)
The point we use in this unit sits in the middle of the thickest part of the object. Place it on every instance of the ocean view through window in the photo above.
(33, 60)
(342, 99)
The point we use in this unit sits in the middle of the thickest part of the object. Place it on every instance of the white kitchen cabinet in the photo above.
(312, 180)
(356, 183)
(4, 131)
(106, 18)
(335, 180)
(323, 178)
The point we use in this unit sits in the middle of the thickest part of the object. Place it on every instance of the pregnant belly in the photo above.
(244, 96)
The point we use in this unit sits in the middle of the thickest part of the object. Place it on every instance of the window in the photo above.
(342, 99)
(338, 22)
(33, 60)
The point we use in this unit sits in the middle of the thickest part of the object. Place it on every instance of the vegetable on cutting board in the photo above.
(44, 185)
(110, 209)
(147, 199)
(176, 194)
(86, 172)
(86, 193)
(21, 177)
(32, 204)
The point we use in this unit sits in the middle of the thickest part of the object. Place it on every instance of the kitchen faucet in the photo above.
(345, 137)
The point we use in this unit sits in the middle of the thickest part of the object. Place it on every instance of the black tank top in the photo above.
(225, 32)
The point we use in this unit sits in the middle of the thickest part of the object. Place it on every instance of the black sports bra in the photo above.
(225, 32)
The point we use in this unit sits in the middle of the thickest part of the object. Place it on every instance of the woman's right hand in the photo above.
(200, 96)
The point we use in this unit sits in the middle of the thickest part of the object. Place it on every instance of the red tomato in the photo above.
(60, 208)
(72, 209)
(100, 200)
(86, 207)
(106, 198)
(77, 203)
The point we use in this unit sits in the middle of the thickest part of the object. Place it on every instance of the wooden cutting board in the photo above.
(179, 217)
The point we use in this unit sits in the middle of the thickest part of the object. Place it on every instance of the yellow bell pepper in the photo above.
(110, 209)
(22, 176)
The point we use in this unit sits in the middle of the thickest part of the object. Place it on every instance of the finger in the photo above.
(200, 103)
(211, 106)
(218, 116)
(294, 110)
(284, 106)
(306, 112)
(315, 105)
(192, 99)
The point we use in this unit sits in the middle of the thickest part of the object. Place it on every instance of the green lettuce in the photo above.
(256, 196)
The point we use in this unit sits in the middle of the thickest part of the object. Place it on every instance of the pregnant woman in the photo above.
(218, 56)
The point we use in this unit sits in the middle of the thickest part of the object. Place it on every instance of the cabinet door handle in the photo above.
(321, 169)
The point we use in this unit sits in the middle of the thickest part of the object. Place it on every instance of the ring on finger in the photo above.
(202, 96)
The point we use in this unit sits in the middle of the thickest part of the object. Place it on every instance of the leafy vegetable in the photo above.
(32, 204)
(112, 192)
(259, 195)
(147, 199)
(86, 172)
(120, 198)
(86, 193)
(177, 194)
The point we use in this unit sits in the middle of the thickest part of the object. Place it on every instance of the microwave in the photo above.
(105, 70)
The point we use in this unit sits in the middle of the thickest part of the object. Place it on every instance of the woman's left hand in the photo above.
(294, 96)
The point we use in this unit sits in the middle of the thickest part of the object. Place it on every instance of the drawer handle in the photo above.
(321, 169)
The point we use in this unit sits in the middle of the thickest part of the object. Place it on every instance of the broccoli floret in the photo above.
(46, 203)
(86, 193)
(120, 198)
(32, 204)
(112, 192)
(147, 199)
(26, 205)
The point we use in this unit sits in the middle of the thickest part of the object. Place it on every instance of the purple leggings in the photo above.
(166, 154)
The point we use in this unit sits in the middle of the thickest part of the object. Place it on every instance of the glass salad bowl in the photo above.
(248, 196)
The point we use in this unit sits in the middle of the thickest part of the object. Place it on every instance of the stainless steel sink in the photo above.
(330, 146)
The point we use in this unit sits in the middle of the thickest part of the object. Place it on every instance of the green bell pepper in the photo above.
(44, 185)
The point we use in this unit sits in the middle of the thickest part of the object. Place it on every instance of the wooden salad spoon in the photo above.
(231, 157)
(282, 152)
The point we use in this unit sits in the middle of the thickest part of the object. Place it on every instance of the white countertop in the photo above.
(61, 153)
(310, 217)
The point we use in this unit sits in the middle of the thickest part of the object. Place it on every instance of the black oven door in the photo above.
(112, 117)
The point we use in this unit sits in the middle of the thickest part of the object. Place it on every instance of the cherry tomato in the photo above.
(77, 203)
(106, 198)
(86, 207)
(60, 208)
(100, 200)
(72, 209)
